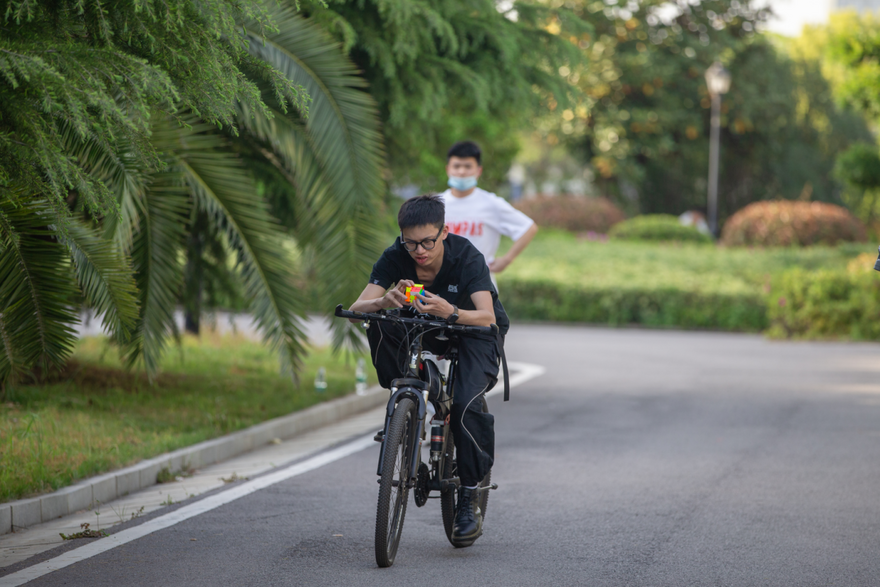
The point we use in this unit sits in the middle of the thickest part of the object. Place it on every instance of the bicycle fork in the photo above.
(413, 389)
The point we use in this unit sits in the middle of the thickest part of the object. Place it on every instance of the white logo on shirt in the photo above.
(453, 288)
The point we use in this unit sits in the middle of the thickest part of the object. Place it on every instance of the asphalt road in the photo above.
(641, 458)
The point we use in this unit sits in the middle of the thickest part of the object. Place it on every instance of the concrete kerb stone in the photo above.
(228, 447)
(5, 518)
(103, 488)
(149, 470)
(26, 512)
(53, 506)
(79, 497)
(179, 461)
(263, 433)
(128, 480)
(107, 487)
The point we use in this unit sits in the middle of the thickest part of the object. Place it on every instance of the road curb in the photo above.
(104, 488)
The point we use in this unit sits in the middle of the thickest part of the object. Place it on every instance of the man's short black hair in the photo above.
(463, 150)
(422, 210)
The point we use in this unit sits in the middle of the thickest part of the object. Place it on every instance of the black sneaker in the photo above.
(380, 436)
(468, 518)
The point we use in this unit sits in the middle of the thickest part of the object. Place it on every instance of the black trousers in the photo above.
(472, 429)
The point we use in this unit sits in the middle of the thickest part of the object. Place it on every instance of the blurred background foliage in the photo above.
(643, 120)
(251, 163)
(443, 70)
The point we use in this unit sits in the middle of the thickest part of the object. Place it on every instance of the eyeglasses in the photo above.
(426, 244)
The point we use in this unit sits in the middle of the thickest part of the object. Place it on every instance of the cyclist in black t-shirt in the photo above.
(457, 288)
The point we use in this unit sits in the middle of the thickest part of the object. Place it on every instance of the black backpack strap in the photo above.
(499, 340)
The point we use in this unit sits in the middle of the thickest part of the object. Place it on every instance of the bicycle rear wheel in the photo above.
(449, 498)
(393, 483)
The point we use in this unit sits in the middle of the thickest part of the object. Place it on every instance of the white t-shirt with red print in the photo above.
(482, 217)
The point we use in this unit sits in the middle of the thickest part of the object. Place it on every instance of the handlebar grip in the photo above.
(484, 330)
(339, 312)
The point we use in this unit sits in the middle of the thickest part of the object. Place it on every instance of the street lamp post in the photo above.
(718, 82)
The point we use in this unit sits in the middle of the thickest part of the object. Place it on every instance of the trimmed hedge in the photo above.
(827, 303)
(789, 223)
(668, 306)
(572, 213)
(657, 227)
(683, 285)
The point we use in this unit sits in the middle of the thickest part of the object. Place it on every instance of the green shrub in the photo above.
(572, 213)
(657, 227)
(788, 223)
(686, 285)
(667, 306)
(829, 303)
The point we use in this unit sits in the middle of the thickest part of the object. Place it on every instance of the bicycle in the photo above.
(400, 458)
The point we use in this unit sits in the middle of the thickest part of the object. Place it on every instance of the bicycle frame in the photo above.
(412, 386)
(416, 389)
(401, 468)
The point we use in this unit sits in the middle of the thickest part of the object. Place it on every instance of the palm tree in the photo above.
(44, 267)
(130, 266)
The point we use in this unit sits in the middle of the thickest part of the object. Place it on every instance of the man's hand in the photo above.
(396, 297)
(499, 265)
(428, 303)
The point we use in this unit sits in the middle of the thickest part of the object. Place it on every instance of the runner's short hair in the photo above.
(422, 210)
(463, 150)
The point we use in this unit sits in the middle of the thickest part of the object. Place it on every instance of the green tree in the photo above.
(147, 175)
(446, 70)
(851, 48)
(858, 168)
(848, 49)
(99, 72)
(644, 123)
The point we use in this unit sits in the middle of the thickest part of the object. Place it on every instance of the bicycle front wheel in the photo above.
(393, 483)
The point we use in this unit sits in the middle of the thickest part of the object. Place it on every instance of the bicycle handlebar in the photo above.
(427, 322)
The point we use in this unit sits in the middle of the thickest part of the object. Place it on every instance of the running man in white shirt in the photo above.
(481, 216)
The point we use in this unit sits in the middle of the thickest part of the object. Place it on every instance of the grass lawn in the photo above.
(563, 277)
(95, 416)
(565, 257)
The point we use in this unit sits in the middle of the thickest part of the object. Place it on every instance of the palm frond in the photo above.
(342, 125)
(106, 278)
(123, 170)
(36, 290)
(334, 157)
(221, 186)
(162, 211)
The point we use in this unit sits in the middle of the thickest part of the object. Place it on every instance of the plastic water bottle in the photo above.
(360, 377)
(321, 380)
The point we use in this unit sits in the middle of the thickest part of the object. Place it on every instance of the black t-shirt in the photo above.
(464, 272)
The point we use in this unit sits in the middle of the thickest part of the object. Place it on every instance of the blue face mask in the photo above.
(462, 184)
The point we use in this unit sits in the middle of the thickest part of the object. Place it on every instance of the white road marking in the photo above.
(524, 372)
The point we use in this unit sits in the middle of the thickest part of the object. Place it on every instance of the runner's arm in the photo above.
(501, 263)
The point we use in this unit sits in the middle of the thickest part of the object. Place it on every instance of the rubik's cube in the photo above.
(412, 292)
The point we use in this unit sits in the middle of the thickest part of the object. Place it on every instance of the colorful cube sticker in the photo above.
(413, 291)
